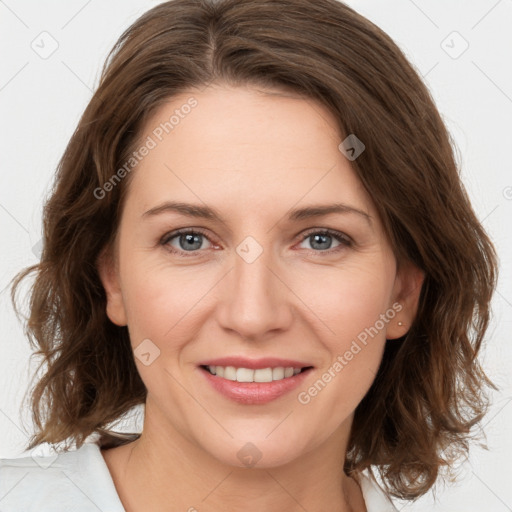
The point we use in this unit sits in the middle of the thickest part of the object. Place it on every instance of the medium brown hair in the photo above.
(430, 389)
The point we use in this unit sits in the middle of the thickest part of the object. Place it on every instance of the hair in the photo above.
(430, 390)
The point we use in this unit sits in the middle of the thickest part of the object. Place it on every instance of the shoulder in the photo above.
(75, 480)
(376, 500)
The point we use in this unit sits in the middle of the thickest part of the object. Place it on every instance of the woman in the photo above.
(259, 232)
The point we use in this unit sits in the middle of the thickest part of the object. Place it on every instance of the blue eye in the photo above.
(191, 241)
(188, 240)
(319, 239)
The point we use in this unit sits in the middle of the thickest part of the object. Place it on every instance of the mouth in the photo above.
(254, 381)
(260, 375)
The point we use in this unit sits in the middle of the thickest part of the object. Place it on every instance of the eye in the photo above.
(191, 241)
(321, 240)
(187, 240)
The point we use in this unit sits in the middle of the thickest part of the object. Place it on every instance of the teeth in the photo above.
(248, 375)
(230, 373)
(278, 373)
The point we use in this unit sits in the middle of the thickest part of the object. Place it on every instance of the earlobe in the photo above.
(408, 285)
(109, 276)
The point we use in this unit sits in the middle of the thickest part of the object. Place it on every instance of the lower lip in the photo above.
(254, 393)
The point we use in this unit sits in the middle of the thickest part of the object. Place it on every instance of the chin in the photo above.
(246, 451)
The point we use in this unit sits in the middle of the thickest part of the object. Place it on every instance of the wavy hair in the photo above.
(431, 390)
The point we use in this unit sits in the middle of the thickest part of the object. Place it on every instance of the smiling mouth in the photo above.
(249, 375)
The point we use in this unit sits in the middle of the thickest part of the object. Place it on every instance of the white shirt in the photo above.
(80, 481)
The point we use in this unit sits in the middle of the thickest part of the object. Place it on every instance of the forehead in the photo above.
(246, 148)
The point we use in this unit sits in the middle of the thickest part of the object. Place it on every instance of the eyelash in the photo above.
(344, 240)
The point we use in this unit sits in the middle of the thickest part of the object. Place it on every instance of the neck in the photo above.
(162, 470)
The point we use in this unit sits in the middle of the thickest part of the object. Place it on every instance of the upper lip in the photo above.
(254, 364)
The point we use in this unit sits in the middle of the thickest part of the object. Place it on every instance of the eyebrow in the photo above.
(206, 212)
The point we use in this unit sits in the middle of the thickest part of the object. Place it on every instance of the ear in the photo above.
(406, 292)
(107, 267)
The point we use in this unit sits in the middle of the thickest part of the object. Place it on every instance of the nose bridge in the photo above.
(255, 300)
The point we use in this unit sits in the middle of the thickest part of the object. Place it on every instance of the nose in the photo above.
(256, 301)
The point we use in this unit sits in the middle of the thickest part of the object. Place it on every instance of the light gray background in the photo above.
(41, 100)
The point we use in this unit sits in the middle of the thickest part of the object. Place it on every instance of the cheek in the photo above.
(161, 302)
(353, 335)
(348, 299)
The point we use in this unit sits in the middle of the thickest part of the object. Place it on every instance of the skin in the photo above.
(252, 155)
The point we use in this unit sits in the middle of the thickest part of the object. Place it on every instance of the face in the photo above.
(256, 272)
